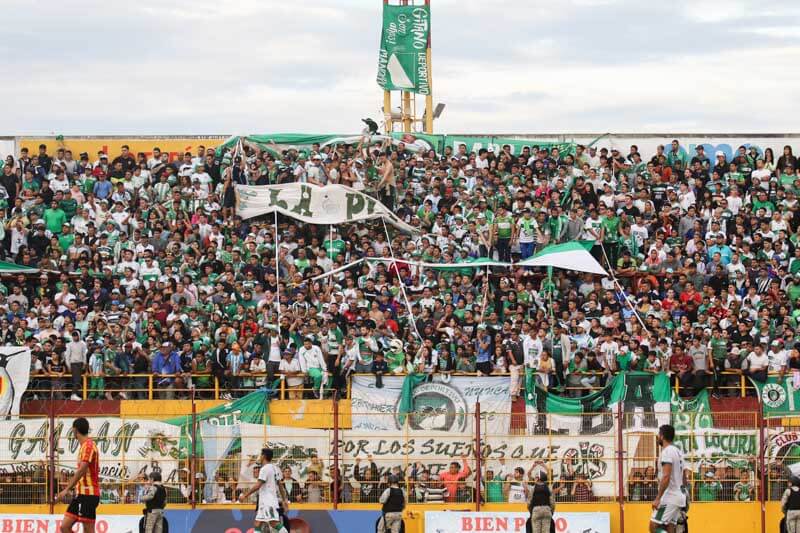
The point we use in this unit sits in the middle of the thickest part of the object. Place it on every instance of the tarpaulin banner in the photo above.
(439, 405)
(127, 447)
(403, 57)
(292, 447)
(331, 204)
(459, 522)
(15, 372)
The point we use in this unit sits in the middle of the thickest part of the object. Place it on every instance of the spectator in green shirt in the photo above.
(708, 487)
(54, 218)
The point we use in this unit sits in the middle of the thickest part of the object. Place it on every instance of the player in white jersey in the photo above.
(671, 498)
(269, 487)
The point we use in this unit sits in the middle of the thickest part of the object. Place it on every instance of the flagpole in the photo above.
(485, 295)
(402, 285)
(551, 287)
(622, 291)
(330, 240)
(277, 272)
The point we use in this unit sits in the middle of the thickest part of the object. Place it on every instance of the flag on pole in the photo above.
(568, 256)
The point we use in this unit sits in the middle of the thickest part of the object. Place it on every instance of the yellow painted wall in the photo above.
(308, 414)
(175, 146)
(163, 408)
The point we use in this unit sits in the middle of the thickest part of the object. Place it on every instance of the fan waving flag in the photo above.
(568, 256)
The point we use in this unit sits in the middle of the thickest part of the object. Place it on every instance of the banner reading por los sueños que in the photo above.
(403, 56)
(331, 204)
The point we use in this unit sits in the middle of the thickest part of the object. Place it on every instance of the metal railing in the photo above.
(206, 386)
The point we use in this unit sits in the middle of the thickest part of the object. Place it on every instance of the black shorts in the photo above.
(83, 508)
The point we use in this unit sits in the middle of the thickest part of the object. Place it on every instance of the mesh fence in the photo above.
(496, 457)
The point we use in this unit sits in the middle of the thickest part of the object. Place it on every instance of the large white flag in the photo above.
(331, 204)
(15, 372)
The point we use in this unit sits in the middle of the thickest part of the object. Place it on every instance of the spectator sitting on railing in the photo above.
(96, 376)
(733, 365)
(682, 366)
(757, 363)
(166, 365)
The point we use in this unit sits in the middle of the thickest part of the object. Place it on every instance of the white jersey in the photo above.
(270, 475)
(674, 494)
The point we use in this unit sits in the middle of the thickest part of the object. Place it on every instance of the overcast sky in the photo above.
(505, 66)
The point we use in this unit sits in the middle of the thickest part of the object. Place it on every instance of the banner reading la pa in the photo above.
(331, 204)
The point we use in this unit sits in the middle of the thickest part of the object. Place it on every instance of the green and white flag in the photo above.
(568, 256)
(645, 398)
(403, 57)
(332, 204)
(778, 397)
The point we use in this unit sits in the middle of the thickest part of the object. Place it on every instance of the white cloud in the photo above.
(204, 66)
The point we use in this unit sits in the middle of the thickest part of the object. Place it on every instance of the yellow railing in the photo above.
(146, 386)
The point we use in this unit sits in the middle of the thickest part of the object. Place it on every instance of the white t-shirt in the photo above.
(674, 495)
(757, 362)
(777, 361)
(270, 476)
(527, 230)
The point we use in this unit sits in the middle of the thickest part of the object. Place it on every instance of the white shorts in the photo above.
(666, 514)
(267, 512)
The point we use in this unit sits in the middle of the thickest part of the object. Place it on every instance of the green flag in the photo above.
(778, 397)
(253, 409)
(406, 404)
(403, 57)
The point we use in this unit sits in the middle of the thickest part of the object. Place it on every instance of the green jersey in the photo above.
(504, 226)
(333, 247)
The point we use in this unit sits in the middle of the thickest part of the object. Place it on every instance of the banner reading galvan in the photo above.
(51, 523)
(128, 447)
(112, 146)
(456, 522)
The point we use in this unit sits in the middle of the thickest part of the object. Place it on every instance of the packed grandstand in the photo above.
(135, 276)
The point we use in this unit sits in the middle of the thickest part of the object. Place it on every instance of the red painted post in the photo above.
(193, 454)
(335, 450)
(477, 456)
(52, 463)
(620, 468)
(761, 465)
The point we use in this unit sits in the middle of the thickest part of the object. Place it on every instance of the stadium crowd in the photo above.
(147, 270)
